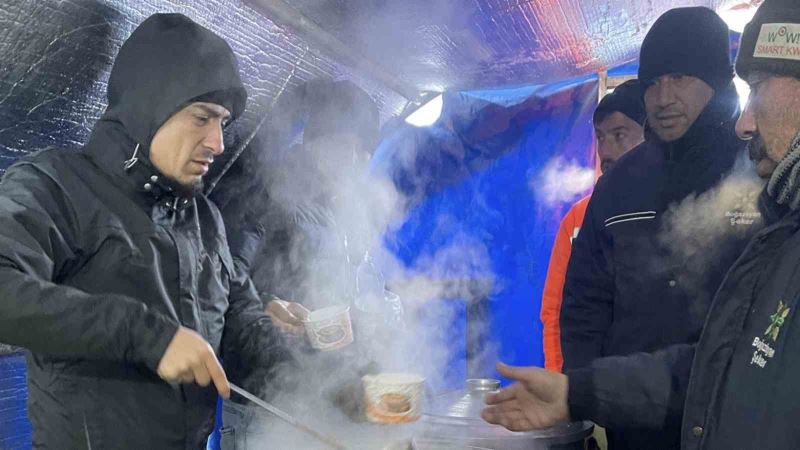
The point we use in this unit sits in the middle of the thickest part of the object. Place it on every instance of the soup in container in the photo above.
(393, 397)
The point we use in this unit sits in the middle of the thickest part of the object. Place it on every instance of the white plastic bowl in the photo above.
(329, 328)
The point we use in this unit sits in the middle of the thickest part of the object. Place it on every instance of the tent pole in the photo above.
(602, 84)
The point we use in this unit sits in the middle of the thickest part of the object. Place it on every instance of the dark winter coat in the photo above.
(100, 265)
(660, 232)
(743, 388)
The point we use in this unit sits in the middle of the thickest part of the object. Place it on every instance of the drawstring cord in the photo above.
(175, 204)
(128, 163)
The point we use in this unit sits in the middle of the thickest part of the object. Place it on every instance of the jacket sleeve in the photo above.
(644, 390)
(256, 354)
(39, 233)
(552, 294)
(587, 306)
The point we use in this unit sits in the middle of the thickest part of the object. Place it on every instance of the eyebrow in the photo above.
(212, 112)
(615, 129)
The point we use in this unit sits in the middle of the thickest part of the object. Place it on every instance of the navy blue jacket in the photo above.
(660, 233)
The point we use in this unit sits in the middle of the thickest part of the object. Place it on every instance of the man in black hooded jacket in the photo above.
(661, 231)
(114, 270)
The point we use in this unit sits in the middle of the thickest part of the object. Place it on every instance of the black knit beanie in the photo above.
(771, 41)
(627, 99)
(690, 41)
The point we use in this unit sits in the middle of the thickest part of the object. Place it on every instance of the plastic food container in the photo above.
(329, 328)
(393, 397)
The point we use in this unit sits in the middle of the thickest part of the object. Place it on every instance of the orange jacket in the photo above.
(554, 283)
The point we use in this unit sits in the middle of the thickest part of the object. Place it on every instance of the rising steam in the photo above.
(325, 388)
(561, 181)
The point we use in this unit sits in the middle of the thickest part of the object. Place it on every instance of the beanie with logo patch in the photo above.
(771, 41)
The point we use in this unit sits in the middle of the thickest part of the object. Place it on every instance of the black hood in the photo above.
(168, 61)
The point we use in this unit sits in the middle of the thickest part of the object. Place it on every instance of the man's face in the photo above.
(616, 134)
(770, 119)
(186, 144)
(673, 103)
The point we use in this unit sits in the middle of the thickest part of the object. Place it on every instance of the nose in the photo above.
(746, 126)
(664, 91)
(605, 148)
(214, 140)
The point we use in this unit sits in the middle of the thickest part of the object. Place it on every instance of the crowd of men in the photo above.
(662, 354)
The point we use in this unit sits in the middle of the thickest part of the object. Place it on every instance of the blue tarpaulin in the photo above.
(15, 429)
(495, 175)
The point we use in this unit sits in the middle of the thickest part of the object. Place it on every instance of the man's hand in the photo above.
(189, 359)
(287, 316)
(537, 400)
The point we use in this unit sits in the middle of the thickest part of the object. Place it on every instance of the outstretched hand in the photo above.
(537, 400)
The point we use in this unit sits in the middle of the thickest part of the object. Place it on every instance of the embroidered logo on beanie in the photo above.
(778, 40)
(771, 41)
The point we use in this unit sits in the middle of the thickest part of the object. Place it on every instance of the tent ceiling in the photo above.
(446, 44)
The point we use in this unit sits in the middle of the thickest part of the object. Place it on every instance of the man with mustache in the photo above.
(630, 286)
(743, 389)
(115, 273)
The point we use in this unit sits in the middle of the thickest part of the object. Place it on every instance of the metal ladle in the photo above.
(287, 418)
